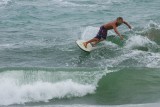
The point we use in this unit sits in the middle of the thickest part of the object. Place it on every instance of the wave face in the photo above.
(41, 65)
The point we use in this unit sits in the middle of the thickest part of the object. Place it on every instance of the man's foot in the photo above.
(93, 44)
(85, 44)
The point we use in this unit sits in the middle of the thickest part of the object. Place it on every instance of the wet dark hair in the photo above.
(119, 18)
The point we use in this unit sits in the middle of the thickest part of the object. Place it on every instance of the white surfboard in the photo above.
(81, 46)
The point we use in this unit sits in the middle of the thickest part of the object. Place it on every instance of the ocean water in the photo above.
(41, 65)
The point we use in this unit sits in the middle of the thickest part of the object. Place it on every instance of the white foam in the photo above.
(144, 59)
(19, 87)
(117, 1)
(13, 93)
(66, 3)
(124, 105)
(4, 46)
(4, 2)
(152, 60)
(137, 40)
(83, 3)
(153, 24)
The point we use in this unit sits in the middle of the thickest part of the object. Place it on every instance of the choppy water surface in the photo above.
(40, 64)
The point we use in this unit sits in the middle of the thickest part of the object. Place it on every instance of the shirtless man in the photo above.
(102, 34)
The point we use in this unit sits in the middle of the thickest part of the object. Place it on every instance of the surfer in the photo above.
(102, 34)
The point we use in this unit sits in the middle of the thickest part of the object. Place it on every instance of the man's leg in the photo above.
(99, 41)
(95, 40)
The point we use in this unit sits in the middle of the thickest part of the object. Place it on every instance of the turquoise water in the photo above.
(41, 65)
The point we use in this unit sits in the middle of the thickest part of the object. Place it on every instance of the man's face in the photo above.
(119, 21)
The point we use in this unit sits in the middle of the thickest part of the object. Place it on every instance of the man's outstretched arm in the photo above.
(127, 24)
(115, 29)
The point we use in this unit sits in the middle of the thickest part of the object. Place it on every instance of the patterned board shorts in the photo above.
(102, 34)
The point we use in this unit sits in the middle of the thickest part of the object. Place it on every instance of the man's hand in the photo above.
(127, 24)
(121, 37)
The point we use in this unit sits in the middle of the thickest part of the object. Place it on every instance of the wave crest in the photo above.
(22, 86)
(11, 92)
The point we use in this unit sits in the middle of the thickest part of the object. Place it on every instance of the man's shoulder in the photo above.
(111, 23)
